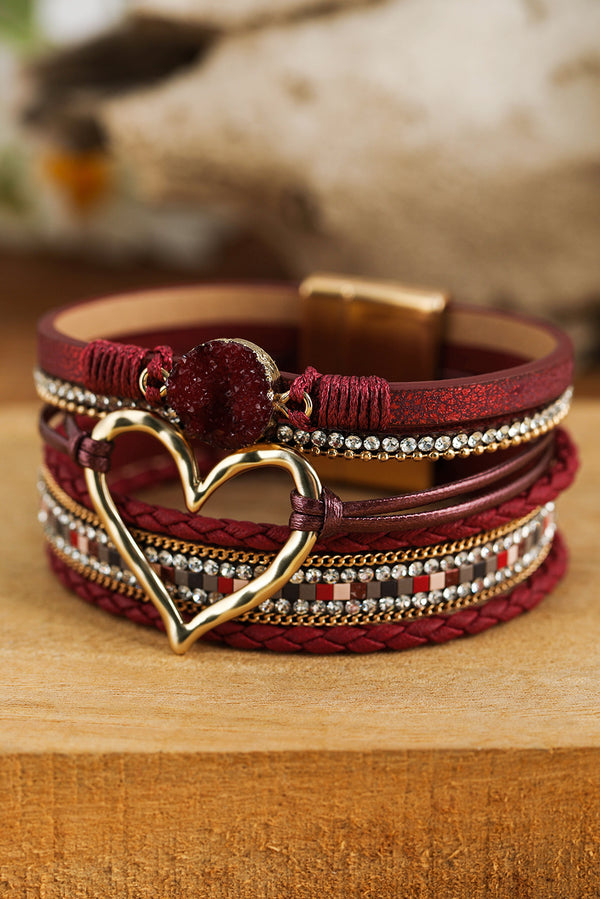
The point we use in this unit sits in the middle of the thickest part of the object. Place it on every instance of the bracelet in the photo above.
(479, 533)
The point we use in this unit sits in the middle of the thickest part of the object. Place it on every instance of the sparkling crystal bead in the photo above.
(283, 606)
(365, 575)
(227, 569)
(477, 585)
(184, 592)
(318, 438)
(318, 607)
(369, 605)
(211, 567)
(408, 445)
(426, 444)
(489, 436)
(335, 607)
(399, 571)
(431, 566)
(415, 569)
(443, 443)
(199, 596)
(386, 603)
(331, 576)
(348, 575)
(151, 554)
(403, 602)
(301, 437)
(301, 607)
(335, 440)
(243, 572)
(475, 439)
(180, 562)
(266, 606)
(390, 444)
(435, 597)
(449, 593)
(421, 600)
(165, 558)
(353, 442)
(371, 443)
(352, 607)
(297, 577)
(463, 590)
(195, 564)
(312, 575)
(284, 433)
(459, 441)
(383, 573)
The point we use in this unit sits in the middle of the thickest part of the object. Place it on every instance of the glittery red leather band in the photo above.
(494, 364)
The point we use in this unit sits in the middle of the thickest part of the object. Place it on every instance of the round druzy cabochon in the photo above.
(222, 392)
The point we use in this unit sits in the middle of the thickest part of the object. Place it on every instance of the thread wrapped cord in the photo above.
(341, 401)
(114, 369)
(355, 638)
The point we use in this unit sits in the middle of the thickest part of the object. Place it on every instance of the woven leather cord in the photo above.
(356, 638)
(270, 537)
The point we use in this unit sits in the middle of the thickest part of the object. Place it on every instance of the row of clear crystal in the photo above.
(448, 445)
(426, 446)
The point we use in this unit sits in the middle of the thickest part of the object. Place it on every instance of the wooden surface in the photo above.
(470, 769)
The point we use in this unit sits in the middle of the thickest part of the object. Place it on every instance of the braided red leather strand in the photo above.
(355, 638)
(270, 537)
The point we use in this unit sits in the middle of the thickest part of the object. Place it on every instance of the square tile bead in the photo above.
(341, 591)
(358, 591)
(211, 584)
(306, 591)
(452, 577)
(374, 589)
(404, 585)
(437, 581)
(421, 583)
(324, 592)
(225, 585)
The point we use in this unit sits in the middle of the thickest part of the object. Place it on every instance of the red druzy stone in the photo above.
(220, 391)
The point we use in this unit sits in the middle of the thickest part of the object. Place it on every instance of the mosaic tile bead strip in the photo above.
(325, 594)
(381, 447)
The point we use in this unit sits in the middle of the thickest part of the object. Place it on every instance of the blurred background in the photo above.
(454, 145)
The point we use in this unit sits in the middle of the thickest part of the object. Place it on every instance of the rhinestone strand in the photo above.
(74, 398)
(427, 446)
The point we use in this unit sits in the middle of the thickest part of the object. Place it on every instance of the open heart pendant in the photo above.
(196, 491)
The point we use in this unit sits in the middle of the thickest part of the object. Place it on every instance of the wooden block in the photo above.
(465, 770)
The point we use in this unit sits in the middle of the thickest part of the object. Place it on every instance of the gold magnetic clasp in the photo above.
(361, 326)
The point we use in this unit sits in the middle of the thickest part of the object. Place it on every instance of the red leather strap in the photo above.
(358, 639)
(478, 340)
(416, 531)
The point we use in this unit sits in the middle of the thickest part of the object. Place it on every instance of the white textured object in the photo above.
(454, 144)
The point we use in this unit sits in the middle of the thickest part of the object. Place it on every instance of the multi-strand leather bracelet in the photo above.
(463, 409)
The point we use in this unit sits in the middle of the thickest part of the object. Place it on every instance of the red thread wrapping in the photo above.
(343, 401)
(114, 369)
(355, 638)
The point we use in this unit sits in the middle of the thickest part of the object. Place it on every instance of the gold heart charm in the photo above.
(196, 491)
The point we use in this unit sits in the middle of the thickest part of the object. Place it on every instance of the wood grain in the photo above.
(465, 770)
